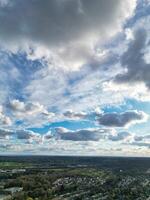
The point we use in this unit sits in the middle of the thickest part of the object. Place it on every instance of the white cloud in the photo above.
(32, 114)
(22, 109)
(76, 91)
(4, 120)
(121, 91)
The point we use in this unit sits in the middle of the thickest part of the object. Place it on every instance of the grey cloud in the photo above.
(94, 134)
(4, 133)
(56, 21)
(133, 60)
(67, 28)
(141, 138)
(119, 136)
(128, 138)
(48, 136)
(28, 136)
(80, 135)
(23, 134)
(121, 119)
(20, 134)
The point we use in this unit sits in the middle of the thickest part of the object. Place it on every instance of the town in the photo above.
(62, 178)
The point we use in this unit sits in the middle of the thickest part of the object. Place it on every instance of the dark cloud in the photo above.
(133, 60)
(79, 135)
(120, 119)
(55, 22)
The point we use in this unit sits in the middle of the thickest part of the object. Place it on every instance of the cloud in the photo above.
(29, 136)
(76, 91)
(27, 109)
(133, 139)
(120, 136)
(21, 109)
(93, 134)
(48, 136)
(75, 115)
(137, 70)
(65, 141)
(25, 135)
(69, 29)
(122, 91)
(4, 133)
(80, 135)
(4, 120)
(141, 138)
(4, 3)
(32, 114)
(141, 144)
(5, 147)
(122, 119)
(62, 56)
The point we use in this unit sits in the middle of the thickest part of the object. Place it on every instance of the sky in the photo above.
(75, 77)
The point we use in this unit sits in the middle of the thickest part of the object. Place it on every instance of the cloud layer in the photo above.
(75, 76)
